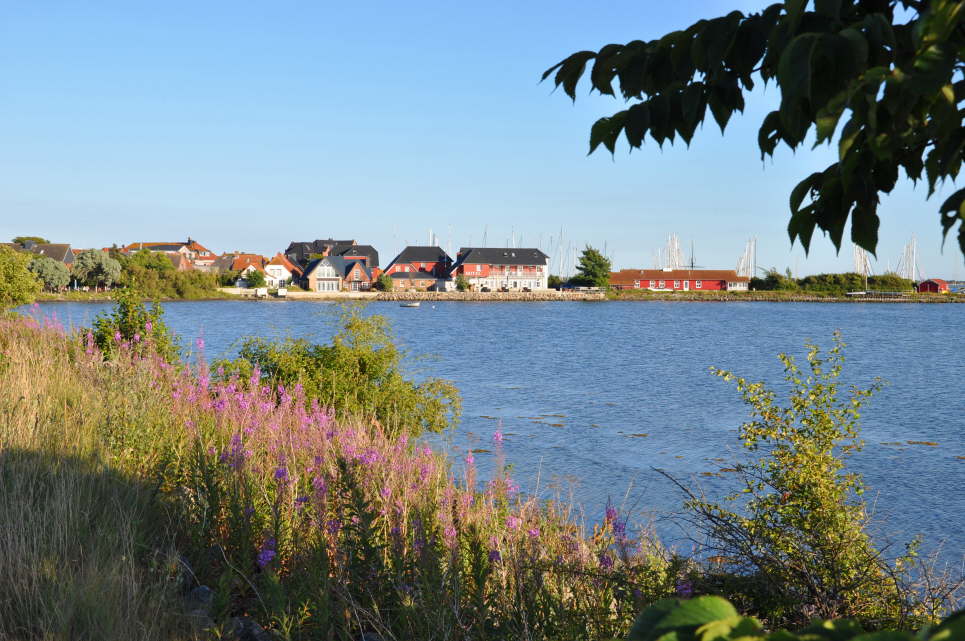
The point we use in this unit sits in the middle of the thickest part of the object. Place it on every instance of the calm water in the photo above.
(593, 396)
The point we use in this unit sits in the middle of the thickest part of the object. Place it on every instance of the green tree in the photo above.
(17, 285)
(594, 269)
(462, 283)
(52, 273)
(151, 260)
(21, 240)
(892, 68)
(383, 283)
(555, 282)
(797, 529)
(95, 268)
(255, 278)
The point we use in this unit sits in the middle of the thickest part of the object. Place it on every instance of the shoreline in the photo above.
(229, 294)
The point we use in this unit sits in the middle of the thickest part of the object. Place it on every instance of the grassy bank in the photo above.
(108, 296)
(776, 297)
(128, 481)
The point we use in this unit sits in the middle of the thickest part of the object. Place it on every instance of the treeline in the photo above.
(152, 274)
(830, 283)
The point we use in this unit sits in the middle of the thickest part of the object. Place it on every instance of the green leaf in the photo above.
(884, 635)
(864, 227)
(953, 211)
(794, 68)
(696, 612)
(646, 622)
(637, 123)
(795, 11)
(801, 227)
(571, 70)
(601, 75)
(659, 117)
(802, 189)
(839, 630)
(951, 629)
(828, 8)
(599, 132)
(769, 134)
(729, 628)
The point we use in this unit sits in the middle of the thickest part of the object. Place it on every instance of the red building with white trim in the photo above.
(679, 280)
(933, 286)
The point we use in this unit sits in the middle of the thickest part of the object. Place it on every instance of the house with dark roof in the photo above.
(420, 267)
(58, 251)
(335, 274)
(301, 252)
(679, 279)
(498, 268)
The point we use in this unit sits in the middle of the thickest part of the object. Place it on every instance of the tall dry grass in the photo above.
(83, 548)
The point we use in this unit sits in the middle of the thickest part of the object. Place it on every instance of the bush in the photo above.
(131, 327)
(462, 283)
(383, 283)
(52, 273)
(155, 284)
(797, 532)
(255, 278)
(358, 375)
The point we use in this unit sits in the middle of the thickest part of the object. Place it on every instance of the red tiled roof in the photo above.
(938, 281)
(281, 260)
(242, 261)
(629, 275)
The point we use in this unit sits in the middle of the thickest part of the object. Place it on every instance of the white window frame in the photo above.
(699, 284)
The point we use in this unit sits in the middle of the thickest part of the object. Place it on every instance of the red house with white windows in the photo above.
(679, 280)
(426, 262)
(933, 286)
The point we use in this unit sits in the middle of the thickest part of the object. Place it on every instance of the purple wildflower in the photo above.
(333, 526)
(498, 436)
(533, 532)
(514, 522)
(266, 553)
(450, 532)
(200, 344)
(495, 556)
(137, 338)
(470, 459)
(148, 326)
(281, 473)
(117, 337)
(605, 561)
(685, 589)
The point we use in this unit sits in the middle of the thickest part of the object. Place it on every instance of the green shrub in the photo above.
(131, 326)
(794, 539)
(359, 375)
(17, 285)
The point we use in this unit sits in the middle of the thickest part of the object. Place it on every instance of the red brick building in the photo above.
(679, 280)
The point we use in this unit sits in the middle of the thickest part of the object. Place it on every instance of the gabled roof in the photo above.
(195, 246)
(501, 256)
(420, 254)
(282, 261)
(57, 251)
(627, 276)
(369, 252)
(342, 266)
(937, 281)
(242, 261)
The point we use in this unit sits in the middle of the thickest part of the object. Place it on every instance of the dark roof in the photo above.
(501, 256)
(299, 251)
(421, 254)
(370, 253)
(57, 251)
(341, 265)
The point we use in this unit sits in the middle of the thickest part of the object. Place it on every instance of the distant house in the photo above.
(421, 260)
(280, 271)
(334, 273)
(301, 253)
(679, 280)
(199, 256)
(496, 268)
(933, 286)
(58, 251)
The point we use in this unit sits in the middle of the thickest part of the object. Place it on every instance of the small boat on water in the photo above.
(412, 304)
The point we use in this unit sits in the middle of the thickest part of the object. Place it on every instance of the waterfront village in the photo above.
(329, 266)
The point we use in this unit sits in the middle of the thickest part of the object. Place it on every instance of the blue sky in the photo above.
(247, 125)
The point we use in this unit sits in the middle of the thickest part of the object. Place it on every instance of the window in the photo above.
(699, 284)
(653, 284)
(676, 284)
(636, 284)
(663, 284)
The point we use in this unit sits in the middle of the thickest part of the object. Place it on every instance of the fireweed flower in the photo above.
(494, 556)
(281, 473)
(117, 337)
(200, 344)
(137, 338)
(470, 459)
(533, 533)
(498, 436)
(605, 561)
(450, 532)
(266, 552)
(148, 326)
(514, 522)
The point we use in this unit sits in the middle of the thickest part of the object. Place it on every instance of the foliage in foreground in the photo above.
(711, 618)
(358, 375)
(797, 528)
(322, 527)
(17, 285)
(898, 81)
(134, 329)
